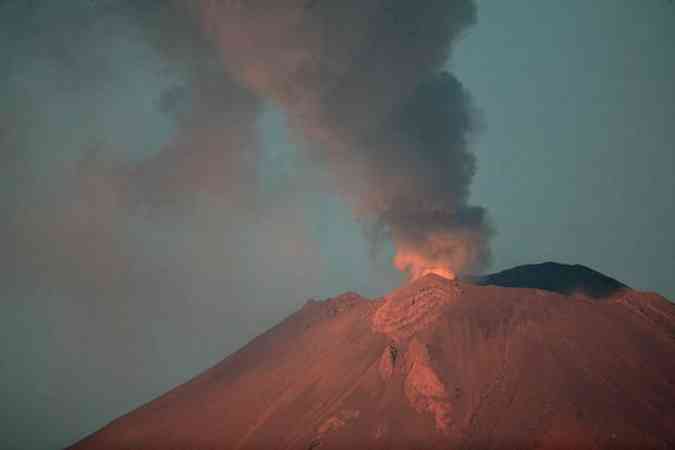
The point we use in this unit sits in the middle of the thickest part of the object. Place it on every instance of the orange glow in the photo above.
(440, 271)
(442, 253)
(417, 266)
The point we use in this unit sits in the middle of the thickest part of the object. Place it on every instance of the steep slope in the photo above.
(436, 364)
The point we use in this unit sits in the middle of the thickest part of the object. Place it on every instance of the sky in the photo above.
(103, 310)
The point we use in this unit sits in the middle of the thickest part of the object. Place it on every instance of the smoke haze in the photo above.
(145, 231)
(148, 213)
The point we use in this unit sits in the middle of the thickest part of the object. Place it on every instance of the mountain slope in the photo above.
(436, 364)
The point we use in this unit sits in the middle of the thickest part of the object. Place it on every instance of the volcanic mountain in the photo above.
(567, 359)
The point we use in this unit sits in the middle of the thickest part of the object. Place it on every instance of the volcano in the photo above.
(538, 357)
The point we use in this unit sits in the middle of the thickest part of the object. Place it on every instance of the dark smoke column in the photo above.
(363, 82)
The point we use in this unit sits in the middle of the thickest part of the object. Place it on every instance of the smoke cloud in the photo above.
(141, 227)
(363, 85)
(215, 147)
(362, 82)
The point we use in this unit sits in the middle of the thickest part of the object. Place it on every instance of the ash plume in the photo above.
(170, 96)
(364, 88)
(363, 83)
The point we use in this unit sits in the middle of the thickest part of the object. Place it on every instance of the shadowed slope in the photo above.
(561, 278)
(436, 364)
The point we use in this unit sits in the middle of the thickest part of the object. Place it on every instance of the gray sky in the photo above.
(577, 156)
(575, 164)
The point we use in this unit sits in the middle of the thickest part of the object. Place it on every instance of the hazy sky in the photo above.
(575, 162)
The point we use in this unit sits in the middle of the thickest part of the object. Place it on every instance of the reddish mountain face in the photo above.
(436, 364)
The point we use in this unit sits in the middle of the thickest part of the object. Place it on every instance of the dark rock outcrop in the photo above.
(561, 278)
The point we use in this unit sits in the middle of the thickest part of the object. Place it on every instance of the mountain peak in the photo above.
(435, 364)
(564, 279)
